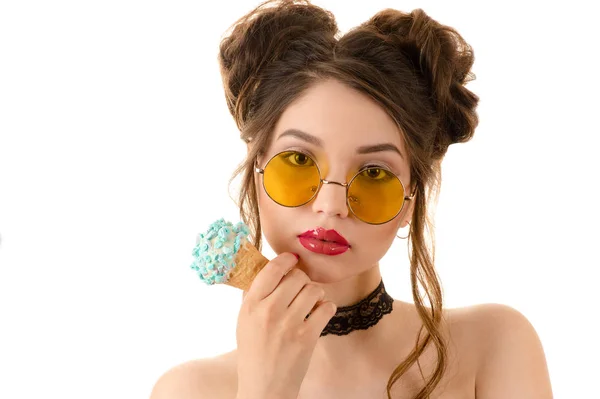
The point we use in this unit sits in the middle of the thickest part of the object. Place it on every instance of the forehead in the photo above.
(341, 117)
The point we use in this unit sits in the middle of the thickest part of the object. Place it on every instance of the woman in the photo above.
(345, 140)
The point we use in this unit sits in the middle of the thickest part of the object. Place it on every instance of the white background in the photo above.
(115, 151)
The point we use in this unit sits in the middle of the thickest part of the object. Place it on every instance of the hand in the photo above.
(275, 341)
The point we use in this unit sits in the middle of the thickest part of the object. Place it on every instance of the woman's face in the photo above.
(336, 120)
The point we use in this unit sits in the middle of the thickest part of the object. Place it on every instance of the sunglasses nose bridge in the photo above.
(345, 185)
(329, 202)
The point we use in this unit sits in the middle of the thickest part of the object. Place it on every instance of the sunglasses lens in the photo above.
(291, 178)
(376, 195)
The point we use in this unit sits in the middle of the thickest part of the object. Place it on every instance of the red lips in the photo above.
(325, 235)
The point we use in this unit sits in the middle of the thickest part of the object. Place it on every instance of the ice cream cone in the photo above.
(249, 262)
(224, 255)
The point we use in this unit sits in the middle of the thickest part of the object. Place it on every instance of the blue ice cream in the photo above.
(216, 250)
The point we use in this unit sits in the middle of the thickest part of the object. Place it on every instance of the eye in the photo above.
(375, 173)
(298, 159)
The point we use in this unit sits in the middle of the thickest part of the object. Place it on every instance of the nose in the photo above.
(331, 199)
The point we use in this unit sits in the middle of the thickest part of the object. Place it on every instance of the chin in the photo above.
(323, 272)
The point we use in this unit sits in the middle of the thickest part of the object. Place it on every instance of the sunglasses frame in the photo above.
(323, 181)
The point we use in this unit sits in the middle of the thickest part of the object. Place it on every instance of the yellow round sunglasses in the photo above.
(374, 195)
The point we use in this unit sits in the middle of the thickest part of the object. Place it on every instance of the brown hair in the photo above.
(414, 67)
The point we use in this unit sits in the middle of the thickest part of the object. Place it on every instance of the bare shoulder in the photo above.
(510, 358)
(209, 378)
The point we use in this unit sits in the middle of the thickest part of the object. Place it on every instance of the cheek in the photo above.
(381, 239)
(376, 240)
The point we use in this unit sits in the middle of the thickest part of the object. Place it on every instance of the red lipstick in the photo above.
(326, 242)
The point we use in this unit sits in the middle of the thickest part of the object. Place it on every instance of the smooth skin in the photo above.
(494, 352)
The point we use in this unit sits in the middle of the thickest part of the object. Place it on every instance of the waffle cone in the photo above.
(249, 262)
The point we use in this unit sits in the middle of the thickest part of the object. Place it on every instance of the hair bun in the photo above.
(445, 60)
(268, 34)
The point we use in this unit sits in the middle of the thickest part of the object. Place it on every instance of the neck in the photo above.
(352, 290)
(362, 320)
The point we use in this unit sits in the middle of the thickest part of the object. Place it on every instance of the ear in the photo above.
(408, 211)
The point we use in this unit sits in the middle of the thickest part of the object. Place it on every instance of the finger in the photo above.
(305, 301)
(289, 288)
(270, 276)
(320, 317)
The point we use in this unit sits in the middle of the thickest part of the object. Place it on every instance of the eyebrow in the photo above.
(365, 149)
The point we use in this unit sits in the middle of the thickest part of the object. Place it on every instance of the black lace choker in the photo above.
(361, 315)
